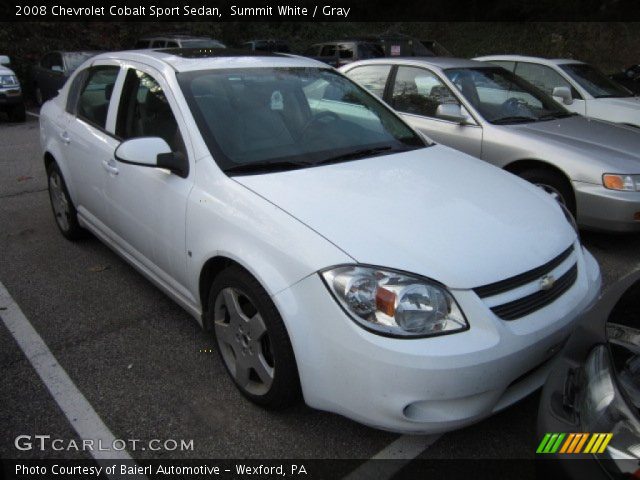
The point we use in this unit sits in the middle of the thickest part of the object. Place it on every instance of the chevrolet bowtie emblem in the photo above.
(547, 282)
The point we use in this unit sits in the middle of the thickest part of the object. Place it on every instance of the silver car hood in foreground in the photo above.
(433, 211)
(613, 145)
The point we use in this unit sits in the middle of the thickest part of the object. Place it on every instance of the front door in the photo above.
(416, 93)
(148, 205)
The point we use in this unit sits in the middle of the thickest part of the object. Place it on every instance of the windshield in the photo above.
(75, 59)
(594, 81)
(502, 97)
(290, 118)
(204, 43)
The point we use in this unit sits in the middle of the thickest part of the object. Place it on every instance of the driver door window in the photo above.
(144, 111)
(543, 77)
(419, 92)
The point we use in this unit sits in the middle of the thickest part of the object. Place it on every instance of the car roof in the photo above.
(191, 59)
(524, 58)
(441, 63)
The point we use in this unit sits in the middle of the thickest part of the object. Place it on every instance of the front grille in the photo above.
(519, 280)
(529, 304)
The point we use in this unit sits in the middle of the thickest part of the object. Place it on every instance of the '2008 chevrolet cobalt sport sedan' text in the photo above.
(329, 248)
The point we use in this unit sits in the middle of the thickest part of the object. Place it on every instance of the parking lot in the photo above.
(147, 369)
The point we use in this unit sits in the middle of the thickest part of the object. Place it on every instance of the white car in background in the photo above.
(580, 87)
(329, 248)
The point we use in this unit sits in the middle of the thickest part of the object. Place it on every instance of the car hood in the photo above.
(615, 145)
(434, 211)
(627, 102)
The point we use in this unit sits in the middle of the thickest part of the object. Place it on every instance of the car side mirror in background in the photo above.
(152, 152)
(451, 112)
(4, 60)
(563, 94)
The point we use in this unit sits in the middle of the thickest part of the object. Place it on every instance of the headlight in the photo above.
(9, 81)
(627, 183)
(602, 408)
(393, 303)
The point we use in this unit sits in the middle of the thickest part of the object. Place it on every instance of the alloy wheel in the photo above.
(243, 341)
(59, 201)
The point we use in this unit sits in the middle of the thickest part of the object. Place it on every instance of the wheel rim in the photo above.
(554, 192)
(59, 201)
(243, 341)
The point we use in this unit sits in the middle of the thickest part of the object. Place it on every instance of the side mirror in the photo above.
(152, 152)
(4, 60)
(451, 112)
(564, 94)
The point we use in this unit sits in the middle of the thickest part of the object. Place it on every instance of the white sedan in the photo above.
(330, 249)
(580, 87)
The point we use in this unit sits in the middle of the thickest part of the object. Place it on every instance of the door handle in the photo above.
(110, 166)
(64, 136)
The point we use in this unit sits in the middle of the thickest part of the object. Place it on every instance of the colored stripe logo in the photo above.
(568, 443)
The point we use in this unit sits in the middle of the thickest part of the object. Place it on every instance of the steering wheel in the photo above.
(317, 118)
(514, 106)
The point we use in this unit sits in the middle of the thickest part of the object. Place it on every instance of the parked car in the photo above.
(177, 41)
(580, 87)
(328, 247)
(590, 405)
(53, 70)
(590, 166)
(338, 53)
(267, 46)
(11, 99)
(629, 78)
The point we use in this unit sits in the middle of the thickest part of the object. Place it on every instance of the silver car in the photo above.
(591, 166)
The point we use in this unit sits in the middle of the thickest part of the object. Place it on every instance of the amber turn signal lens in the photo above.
(636, 216)
(386, 301)
(613, 182)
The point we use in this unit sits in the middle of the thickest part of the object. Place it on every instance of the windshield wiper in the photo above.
(263, 167)
(551, 116)
(513, 119)
(362, 153)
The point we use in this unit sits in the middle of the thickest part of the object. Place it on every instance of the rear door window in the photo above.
(371, 77)
(93, 104)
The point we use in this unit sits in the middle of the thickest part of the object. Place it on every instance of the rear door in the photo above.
(89, 143)
(416, 93)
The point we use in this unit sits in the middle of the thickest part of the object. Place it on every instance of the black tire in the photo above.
(284, 389)
(17, 113)
(554, 183)
(67, 222)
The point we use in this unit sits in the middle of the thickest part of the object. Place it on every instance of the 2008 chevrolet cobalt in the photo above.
(331, 249)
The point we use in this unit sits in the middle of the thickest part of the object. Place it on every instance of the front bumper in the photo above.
(433, 384)
(603, 209)
(10, 96)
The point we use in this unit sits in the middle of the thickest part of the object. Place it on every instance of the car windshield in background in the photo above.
(265, 119)
(202, 44)
(75, 59)
(504, 98)
(594, 81)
